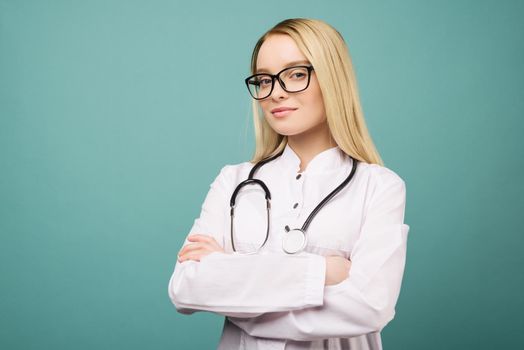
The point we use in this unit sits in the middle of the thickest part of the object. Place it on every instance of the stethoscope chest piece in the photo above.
(294, 241)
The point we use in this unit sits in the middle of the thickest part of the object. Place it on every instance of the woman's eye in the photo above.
(264, 82)
(298, 75)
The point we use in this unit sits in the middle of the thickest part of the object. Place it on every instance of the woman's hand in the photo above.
(204, 245)
(337, 269)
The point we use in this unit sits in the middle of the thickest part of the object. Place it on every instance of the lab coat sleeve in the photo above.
(365, 301)
(242, 285)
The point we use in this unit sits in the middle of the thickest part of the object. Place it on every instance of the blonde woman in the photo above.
(304, 246)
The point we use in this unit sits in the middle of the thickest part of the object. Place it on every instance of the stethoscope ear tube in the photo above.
(249, 182)
(232, 214)
(267, 193)
(232, 203)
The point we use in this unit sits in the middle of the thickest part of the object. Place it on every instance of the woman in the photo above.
(247, 261)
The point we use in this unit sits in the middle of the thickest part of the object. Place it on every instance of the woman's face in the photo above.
(279, 51)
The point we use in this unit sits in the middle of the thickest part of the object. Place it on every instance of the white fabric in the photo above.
(273, 300)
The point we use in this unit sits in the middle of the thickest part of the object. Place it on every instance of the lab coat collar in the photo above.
(327, 160)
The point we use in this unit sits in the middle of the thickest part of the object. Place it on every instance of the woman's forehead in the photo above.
(278, 52)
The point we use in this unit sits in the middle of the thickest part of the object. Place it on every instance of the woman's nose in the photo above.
(278, 92)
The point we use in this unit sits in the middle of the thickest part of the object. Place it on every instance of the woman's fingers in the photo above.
(202, 245)
(195, 255)
(205, 238)
(200, 238)
(192, 246)
(337, 269)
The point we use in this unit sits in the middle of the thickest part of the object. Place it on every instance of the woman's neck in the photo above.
(310, 143)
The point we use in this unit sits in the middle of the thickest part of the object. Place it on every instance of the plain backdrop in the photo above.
(115, 117)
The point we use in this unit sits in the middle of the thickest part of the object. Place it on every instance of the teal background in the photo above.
(115, 116)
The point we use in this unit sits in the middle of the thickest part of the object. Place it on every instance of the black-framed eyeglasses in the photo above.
(292, 79)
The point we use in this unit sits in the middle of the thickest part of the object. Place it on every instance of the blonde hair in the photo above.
(327, 51)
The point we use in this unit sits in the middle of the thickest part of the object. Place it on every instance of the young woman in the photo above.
(304, 246)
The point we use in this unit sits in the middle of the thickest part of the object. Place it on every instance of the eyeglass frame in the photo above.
(275, 77)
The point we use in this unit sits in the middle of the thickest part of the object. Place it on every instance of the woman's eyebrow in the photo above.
(265, 70)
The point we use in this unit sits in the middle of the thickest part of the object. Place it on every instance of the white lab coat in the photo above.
(273, 300)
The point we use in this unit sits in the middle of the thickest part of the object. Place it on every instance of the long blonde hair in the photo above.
(327, 51)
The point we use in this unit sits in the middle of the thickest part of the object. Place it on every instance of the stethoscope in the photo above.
(294, 240)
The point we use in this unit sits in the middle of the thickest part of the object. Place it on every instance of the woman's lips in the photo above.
(283, 113)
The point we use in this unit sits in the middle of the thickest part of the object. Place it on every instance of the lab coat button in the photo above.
(299, 176)
(295, 205)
